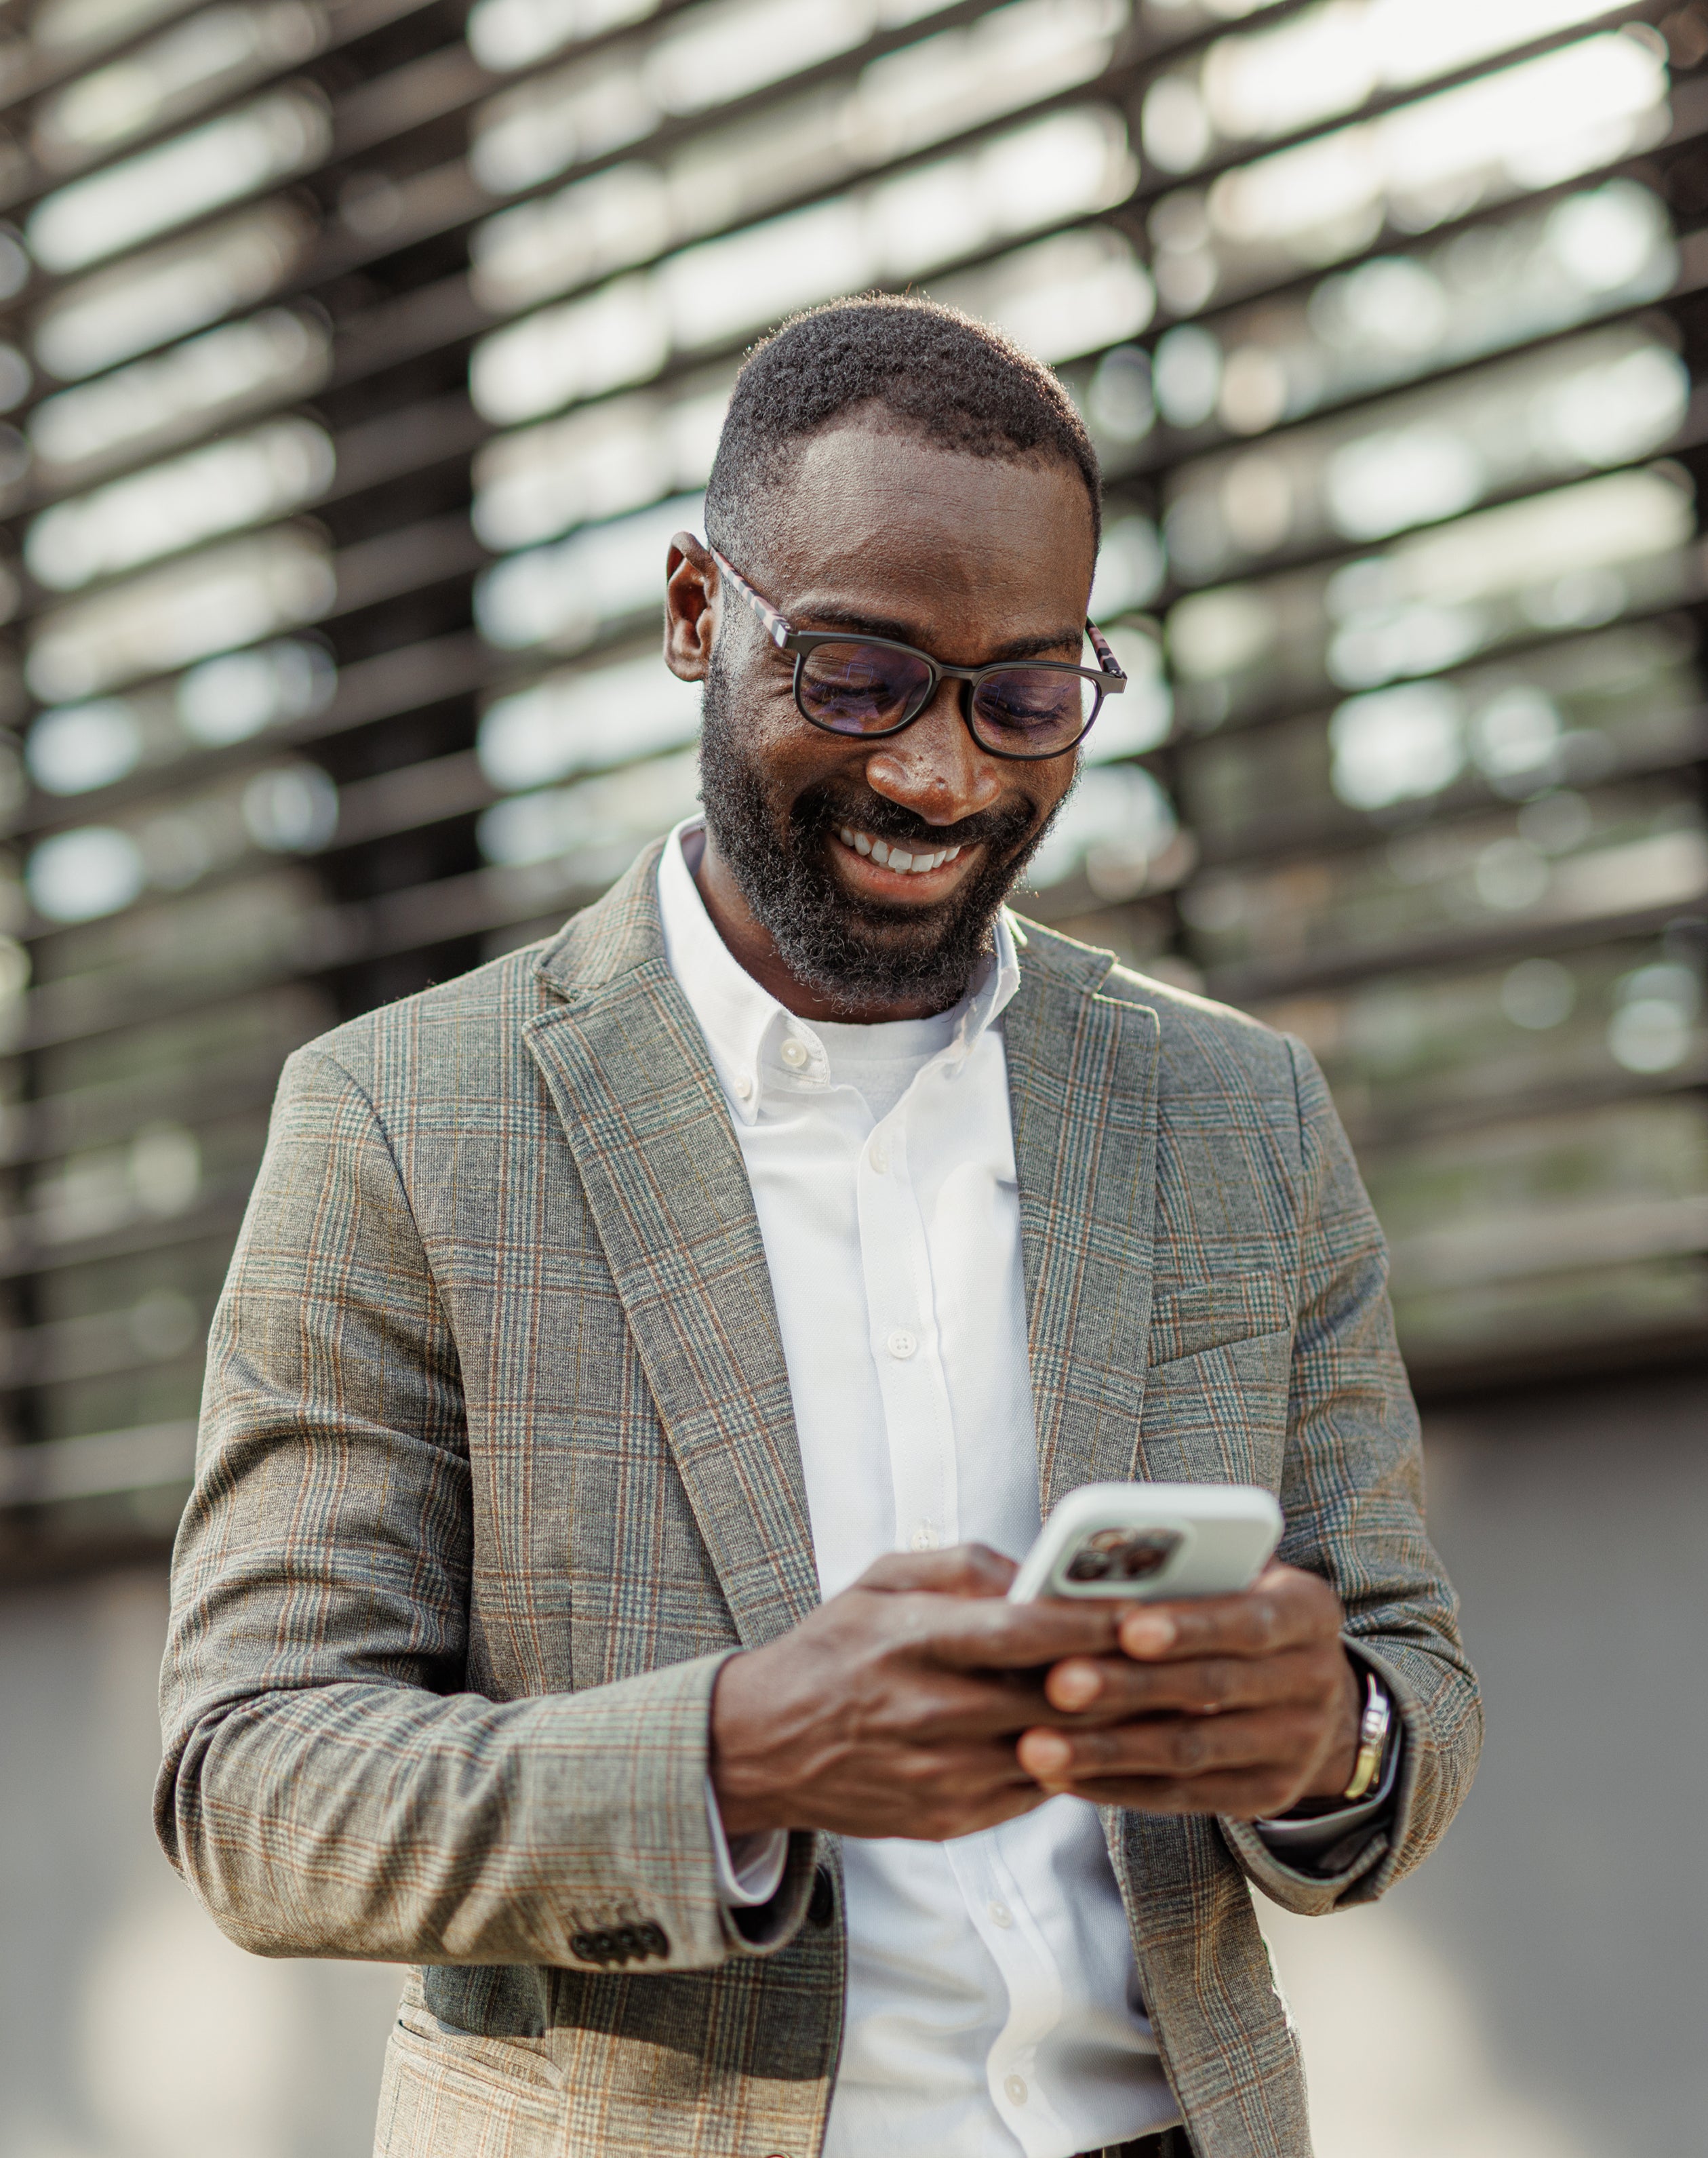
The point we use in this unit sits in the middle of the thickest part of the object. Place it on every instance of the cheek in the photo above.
(1048, 785)
(1058, 777)
(763, 711)
(791, 758)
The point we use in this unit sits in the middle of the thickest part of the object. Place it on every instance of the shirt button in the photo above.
(1000, 1915)
(1015, 2087)
(744, 1088)
(924, 1537)
(902, 1345)
(793, 1053)
(879, 1156)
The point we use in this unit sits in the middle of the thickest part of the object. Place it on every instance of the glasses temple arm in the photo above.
(777, 628)
(1106, 659)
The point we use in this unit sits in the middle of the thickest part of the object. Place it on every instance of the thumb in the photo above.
(961, 1570)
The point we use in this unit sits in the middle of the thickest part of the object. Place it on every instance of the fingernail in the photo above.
(1045, 1754)
(1076, 1686)
(1149, 1634)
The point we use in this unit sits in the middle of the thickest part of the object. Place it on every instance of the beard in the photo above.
(853, 953)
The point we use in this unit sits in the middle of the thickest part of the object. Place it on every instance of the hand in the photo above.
(895, 1708)
(1237, 1705)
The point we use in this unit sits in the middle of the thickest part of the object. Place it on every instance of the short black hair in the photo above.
(933, 371)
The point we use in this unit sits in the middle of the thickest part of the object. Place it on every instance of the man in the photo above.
(644, 1358)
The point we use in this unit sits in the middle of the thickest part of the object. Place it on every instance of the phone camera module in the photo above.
(1147, 1551)
(1124, 1554)
(1099, 1555)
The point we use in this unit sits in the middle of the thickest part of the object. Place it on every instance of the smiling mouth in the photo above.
(887, 855)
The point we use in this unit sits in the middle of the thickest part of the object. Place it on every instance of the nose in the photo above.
(935, 768)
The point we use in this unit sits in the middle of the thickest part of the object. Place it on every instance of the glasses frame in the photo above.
(1106, 677)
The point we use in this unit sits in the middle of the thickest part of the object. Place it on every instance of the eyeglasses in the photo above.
(873, 686)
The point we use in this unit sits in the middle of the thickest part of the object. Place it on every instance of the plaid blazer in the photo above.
(498, 1463)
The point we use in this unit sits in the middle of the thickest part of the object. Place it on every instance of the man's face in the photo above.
(969, 559)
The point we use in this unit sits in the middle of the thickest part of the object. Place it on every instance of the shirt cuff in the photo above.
(749, 1868)
(1329, 1842)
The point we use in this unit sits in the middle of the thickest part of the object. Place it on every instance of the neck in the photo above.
(752, 945)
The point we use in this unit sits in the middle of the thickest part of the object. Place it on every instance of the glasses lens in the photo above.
(861, 688)
(1033, 711)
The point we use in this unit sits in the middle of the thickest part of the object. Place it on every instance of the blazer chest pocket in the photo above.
(1220, 1362)
(1201, 1315)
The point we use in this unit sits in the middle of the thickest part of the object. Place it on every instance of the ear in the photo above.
(691, 606)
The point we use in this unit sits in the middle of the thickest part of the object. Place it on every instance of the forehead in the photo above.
(894, 516)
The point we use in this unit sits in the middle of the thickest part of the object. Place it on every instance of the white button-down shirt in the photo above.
(992, 2001)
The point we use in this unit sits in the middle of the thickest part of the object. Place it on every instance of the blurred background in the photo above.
(359, 358)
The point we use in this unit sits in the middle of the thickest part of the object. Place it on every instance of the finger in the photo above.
(928, 1793)
(1239, 1795)
(961, 1570)
(990, 1810)
(1111, 1688)
(1284, 1609)
(1179, 1748)
(1021, 1637)
(935, 1705)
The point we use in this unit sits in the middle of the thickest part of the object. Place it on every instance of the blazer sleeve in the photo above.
(1352, 1491)
(328, 1788)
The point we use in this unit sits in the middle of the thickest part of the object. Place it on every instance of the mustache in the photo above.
(820, 809)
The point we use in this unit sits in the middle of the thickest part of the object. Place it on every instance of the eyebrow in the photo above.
(899, 632)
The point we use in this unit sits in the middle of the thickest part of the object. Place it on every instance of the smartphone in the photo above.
(1151, 1541)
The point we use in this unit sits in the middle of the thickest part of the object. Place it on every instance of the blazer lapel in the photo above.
(1082, 1079)
(630, 1077)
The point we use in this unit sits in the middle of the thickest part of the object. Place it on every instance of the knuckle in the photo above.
(917, 1770)
(1274, 1792)
(915, 1715)
(1214, 1685)
(979, 1563)
(1189, 1750)
(966, 1566)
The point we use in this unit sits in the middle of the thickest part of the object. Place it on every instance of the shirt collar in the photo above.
(739, 1019)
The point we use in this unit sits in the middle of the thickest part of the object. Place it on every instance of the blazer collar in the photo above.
(649, 1129)
(617, 934)
(1082, 1083)
(645, 1121)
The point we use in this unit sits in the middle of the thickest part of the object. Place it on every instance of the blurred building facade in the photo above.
(364, 355)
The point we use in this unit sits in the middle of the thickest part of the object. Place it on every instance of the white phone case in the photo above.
(1149, 1541)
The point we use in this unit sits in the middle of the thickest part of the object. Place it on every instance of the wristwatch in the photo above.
(1372, 1739)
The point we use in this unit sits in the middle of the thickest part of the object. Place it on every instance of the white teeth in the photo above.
(893, 858)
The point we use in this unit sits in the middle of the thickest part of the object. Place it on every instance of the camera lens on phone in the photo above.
(1089, 1564)
(1148, 1552)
